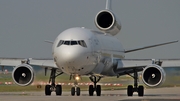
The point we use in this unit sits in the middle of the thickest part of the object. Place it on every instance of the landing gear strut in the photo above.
(53, 86)
(75, 88)
(131, 90)
(94, 87)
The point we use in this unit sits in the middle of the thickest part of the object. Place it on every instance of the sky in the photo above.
(26, 24)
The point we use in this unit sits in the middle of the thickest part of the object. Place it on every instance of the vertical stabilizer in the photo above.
(108, 4)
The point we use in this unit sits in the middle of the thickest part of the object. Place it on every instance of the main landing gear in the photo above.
(53, 86)
(94, 87)
(131, 90)
(58, 88)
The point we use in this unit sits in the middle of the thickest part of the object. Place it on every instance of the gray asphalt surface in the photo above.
(155, 94)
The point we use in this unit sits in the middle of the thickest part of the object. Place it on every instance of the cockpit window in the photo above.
(60, 43)
(67, 42)
(82, 43)
(72, 42)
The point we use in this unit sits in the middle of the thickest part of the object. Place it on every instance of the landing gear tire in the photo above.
(73, 91)
(53, 86)
(78, 91)
(141, 91)
(91, 90)
(130, 90)
(48, 90)
(136, 88)
(98, 90)
(58, 90)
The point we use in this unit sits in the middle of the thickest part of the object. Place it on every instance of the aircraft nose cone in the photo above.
(69, 56)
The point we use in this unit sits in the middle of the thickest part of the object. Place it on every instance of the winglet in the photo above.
(108, 4)
(151, 46)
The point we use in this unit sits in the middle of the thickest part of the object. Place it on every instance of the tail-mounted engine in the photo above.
(106, 21)
(153, 75)
(23, 75)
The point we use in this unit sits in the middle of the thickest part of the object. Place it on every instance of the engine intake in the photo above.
(23, 75)
(153, 75)
(106, 21)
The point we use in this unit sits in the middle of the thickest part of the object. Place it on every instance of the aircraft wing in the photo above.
(127, 66)
(23, 73)
(150, 46)
(45, 63)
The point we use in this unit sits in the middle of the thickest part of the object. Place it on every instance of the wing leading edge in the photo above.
(45, 63)
(151, 46)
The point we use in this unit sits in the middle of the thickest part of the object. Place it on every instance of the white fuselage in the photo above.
(80, 50)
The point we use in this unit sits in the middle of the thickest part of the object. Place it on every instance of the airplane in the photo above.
(81, 52)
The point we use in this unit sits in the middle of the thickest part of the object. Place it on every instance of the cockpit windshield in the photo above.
(72, 42)
(66, 42)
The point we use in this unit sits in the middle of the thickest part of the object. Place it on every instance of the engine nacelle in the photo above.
(23, 75)
(106, 21)
(153, 75)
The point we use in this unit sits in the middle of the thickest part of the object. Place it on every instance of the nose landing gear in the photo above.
(75, 88)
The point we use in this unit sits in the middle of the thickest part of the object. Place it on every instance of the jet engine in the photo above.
(153, 75)
(106, 21)
(23, 75)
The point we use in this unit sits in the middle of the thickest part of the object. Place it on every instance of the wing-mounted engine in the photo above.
(153, 75)
(107, 22)
(23, 75)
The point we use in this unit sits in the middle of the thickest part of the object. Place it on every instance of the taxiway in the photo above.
(155, 94)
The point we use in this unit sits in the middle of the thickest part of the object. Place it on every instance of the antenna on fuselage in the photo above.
(108, 4)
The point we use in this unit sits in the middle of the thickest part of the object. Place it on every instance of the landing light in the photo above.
(77, 77)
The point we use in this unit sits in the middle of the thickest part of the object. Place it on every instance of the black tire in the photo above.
(78, 91)
(141, 91)
(130, 90)
(73, 91)
(48, 90)
(91, 90)
(58, 90)
(98, 90)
